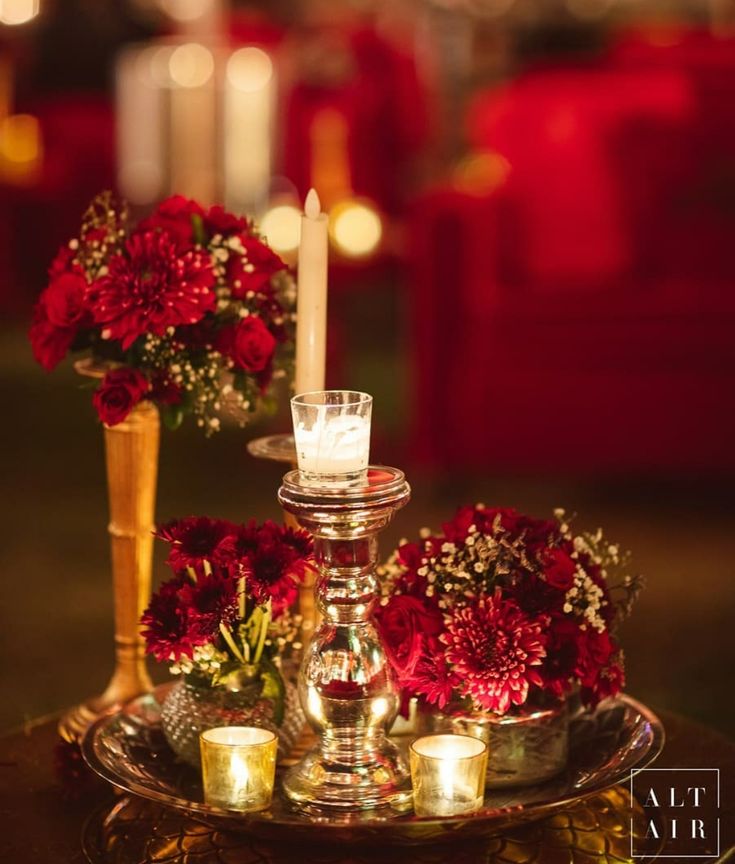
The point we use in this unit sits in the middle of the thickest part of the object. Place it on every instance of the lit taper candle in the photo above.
(311, 325)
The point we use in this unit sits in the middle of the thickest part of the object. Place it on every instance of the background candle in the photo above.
(311, 308)
(448, 774)
(238, 767)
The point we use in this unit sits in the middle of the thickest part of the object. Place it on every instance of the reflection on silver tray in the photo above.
(128, 749)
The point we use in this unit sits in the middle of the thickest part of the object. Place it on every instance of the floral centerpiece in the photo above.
(223, 622)
(501, 614)
(189, 309)
(187, 313)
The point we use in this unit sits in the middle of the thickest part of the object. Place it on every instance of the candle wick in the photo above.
(312, 205)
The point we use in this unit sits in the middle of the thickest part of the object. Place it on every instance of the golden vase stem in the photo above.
(131, 452)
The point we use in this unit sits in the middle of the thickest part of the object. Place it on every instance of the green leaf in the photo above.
(172, 416)
(197, 223)
(273, 688)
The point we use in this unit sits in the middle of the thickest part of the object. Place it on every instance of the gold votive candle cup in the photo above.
(448, 774)
(238, 767)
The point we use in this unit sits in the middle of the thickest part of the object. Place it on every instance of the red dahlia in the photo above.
(493, 647)
(151, 287)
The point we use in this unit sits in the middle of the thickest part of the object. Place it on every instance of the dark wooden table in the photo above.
(42, 823)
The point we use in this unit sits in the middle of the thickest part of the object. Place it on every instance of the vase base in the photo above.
(78, 719)
(318, 782)
(75, 722)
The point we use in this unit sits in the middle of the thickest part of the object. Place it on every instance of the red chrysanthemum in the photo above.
(151, 287)
(275, 559)
(194, 540)
(207, 603)
(493, 648)
(433, 679)
(167, 632)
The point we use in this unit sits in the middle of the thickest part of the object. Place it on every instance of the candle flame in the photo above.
(312, 205)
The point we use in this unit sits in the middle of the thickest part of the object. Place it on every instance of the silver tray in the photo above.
(128, 750)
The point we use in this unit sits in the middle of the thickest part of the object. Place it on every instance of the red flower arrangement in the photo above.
(501, 610)
(190, 309)
(227, 605)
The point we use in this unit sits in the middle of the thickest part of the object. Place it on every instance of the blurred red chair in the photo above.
(375, 91)
(78, 138)
(556, 326)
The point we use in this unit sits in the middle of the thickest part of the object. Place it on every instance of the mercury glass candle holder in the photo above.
(346, 684)
(448, 774)
(332, 435)
(238, 767)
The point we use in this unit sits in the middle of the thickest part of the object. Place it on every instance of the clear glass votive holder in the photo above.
(332, 436)
(238, 767)
(448, 774)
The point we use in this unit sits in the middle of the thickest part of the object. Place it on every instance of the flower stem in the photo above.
(225, 631)
(241, 589)
(265, 623)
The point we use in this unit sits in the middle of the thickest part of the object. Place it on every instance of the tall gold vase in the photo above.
(131, 450)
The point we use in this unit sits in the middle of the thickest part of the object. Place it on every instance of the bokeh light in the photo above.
(356, 228)
(15, 12)
(191, 65)
(185, 10)
(249, 69)
(281, 226)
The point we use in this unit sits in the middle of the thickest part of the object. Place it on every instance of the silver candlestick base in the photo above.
(346, 684)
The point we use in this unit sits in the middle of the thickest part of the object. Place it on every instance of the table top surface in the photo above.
(46, 821)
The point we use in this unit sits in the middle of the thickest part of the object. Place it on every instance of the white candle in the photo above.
(140, 134)
(311, 325)
(193, 142)
(339, 445)
(249, 101)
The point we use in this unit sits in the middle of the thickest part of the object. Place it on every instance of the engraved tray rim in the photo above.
(360, 827)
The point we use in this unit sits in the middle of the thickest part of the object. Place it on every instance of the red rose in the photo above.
(119, 393)
(221, 221)
(57, 318)
(175, 216)
(253, 270)
(595, 651)
(48, 343)
(250, 344)
(405, 623)
(559, 568)
(64, 300)
(559, 667)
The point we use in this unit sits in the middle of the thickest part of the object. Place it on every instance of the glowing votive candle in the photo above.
(332, 435)
(238, 767)
(448, 774)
